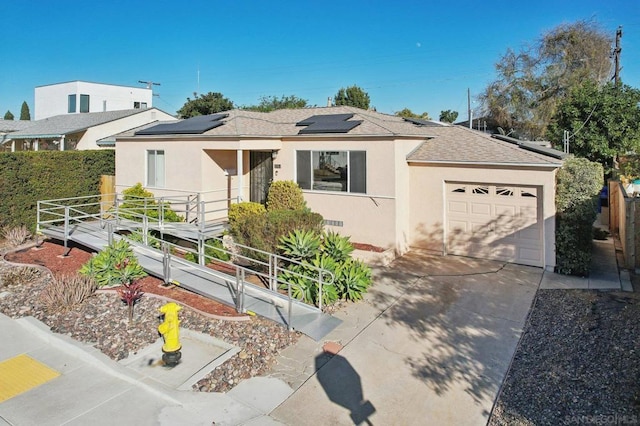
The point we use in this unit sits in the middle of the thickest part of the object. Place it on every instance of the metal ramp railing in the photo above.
(85, 221)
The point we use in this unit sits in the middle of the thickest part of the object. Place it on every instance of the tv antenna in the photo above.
(150, 85)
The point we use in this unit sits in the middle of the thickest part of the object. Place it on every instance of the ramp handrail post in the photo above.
(166, 260)
(110, 233)
(238, 289)
(289, 325)
(66, 225)
(242, 272)
(161, 212)
(320, 290)
(201, 208)
(201, 243)
(145, 226)
(38, 219)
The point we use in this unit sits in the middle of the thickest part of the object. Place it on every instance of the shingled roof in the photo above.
(59, 125)
(443, 143)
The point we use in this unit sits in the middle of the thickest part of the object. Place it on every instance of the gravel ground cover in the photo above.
(102, 321)
(578, 362)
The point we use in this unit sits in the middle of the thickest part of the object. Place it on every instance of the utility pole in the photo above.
(469, 108)
(616, 56)
(150, 85)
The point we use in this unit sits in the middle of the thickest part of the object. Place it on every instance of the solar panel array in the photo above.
(190, 126)
(331, 123)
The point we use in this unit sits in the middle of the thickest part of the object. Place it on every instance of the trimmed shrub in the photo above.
(29, 176)
(138, 202)
(578, 185)
(263, 231)
(240, 211)
(285, 195)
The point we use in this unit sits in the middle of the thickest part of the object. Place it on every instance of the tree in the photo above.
(210, 103)
(603, 122)
(407, 113)
(352, 96)
(8, 115)
(532, 82)
(272, 103)
(24, 112)
(448, 116)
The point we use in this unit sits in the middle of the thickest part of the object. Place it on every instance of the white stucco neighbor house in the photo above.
(94, 130)
(75, 97)
(383, 180)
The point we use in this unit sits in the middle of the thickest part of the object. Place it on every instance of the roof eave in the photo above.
(484, 163)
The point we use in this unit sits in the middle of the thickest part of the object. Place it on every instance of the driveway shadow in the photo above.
(343, 387)
(465, 315)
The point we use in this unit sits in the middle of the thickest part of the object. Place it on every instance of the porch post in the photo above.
(240, 172)
(36, 145)
(62, 143)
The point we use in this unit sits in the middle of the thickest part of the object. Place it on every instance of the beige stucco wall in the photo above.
(427, 188)
(378, 217)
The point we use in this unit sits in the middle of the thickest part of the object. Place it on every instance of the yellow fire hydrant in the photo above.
(170, 330)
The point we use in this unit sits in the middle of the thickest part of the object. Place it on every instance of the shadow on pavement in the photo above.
(342, 385)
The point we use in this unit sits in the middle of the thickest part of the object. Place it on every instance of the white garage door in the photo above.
(494, 222)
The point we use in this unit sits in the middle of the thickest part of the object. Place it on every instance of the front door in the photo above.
(260, 175)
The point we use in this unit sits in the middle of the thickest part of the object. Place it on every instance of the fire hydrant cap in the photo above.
(170, 307)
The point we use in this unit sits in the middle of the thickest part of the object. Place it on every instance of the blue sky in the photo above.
(415, 54)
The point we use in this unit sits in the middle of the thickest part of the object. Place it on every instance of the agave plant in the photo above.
(114, 266)
(336, 246)
(300, 244)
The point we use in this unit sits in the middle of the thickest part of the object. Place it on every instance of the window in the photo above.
(342, 171)
(155, 169)
(71, 104)
(139, 105)
(84, 103)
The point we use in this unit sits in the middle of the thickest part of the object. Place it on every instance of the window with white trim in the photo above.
(155, 168)
(341, 171)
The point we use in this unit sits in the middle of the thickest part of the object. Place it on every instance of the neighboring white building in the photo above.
(82, 97)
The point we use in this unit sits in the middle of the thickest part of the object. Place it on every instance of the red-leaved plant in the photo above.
(130, 293)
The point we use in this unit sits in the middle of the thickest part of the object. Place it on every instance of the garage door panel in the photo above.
(495, 222)
(481, 209)
(458, 207)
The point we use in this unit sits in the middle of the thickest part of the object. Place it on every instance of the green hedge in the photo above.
(29, 176)
(263, 230)
(578, 184)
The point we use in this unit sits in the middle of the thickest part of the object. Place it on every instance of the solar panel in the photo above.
(323, 118)
(421, 122)
(191, 126)
(330, 127)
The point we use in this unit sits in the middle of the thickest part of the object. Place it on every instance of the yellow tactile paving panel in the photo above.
(21, 373)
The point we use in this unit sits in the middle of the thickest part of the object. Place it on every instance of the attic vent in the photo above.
(331, 123)
(190, 126)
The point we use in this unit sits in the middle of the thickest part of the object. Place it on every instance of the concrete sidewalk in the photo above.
(605, 273)
(93, 389)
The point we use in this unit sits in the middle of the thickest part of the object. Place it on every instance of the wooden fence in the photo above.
(624, 221)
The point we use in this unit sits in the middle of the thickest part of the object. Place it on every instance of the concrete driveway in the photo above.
(430, 345)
